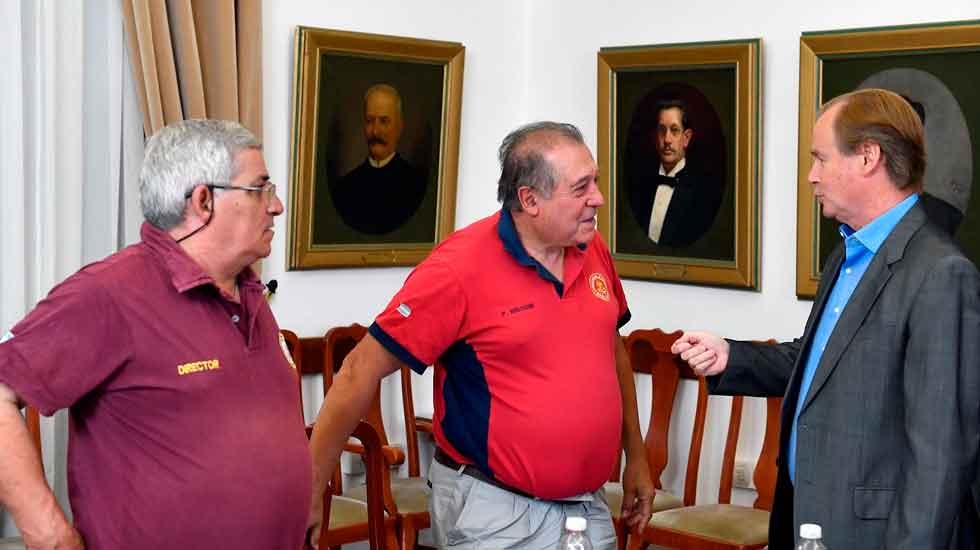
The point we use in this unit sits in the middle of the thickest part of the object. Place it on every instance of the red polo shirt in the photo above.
(525, 383)
(185, 429)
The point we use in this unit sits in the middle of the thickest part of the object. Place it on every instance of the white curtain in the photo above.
(71, 140)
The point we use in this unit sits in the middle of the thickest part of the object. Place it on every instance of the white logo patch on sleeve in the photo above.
(5, 337)
(404, 310)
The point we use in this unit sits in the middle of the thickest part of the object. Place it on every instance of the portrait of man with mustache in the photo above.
(680, 212)
(384, 191)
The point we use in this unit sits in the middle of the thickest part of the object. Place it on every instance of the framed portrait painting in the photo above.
(375, 148)
(931, 66)
(679, 155)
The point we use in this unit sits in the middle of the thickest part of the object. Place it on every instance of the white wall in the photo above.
(537, 60)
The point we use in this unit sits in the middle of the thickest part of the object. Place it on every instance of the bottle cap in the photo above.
(810, 531)
(575, 523)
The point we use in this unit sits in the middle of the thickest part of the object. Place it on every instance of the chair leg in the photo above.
(621, 534)
(391, 539)
(409, 536)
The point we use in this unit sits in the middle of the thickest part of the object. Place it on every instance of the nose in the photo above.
(595, 199)
(275, 205)
(812, 176)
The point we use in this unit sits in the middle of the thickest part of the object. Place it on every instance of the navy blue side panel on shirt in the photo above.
(396, 349)
(466, 422)
(624, 318)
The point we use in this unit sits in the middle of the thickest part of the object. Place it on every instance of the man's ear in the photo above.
(871, 158)
(200, 205)
(688, 137)
(528, 200)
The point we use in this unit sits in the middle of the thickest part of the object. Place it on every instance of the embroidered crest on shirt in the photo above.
(599, 286)
(404, 310)
(198, 366)
(285, 351)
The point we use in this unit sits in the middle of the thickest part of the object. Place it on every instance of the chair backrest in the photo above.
(413, 424)
(649, 353)
(377, 482)
(764, 476)
(338, 342)
(33, 420)
(296, 352)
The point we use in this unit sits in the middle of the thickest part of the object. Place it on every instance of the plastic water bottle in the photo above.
(575, 537)
(811, 537)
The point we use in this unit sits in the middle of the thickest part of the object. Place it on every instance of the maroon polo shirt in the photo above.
(185, 429)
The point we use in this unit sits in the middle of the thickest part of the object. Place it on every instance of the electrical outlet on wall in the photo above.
(742, 477)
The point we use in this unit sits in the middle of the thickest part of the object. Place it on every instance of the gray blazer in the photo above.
(888, 436)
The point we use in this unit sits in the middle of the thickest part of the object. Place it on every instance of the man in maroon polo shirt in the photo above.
(184, 428)
(534, 397)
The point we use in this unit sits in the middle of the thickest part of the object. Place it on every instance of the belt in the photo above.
(441, 457)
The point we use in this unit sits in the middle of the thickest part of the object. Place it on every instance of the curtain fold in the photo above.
(68, 162)
(196, 59)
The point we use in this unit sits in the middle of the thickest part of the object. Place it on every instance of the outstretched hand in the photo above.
(706, 353)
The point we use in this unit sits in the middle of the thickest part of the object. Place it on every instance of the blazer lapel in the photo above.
(864, 297)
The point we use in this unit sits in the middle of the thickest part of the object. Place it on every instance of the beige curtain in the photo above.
(196, 59)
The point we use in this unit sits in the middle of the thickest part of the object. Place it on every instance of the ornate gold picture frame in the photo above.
(375, 148)
(698, 223)
(932, 66)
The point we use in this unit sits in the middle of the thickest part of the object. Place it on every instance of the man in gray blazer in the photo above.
(882, 393)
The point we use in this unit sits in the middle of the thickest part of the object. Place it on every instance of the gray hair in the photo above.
(522, 161)
(387, 89)
(183, 155)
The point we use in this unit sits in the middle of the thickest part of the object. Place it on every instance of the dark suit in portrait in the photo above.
(379, 200)
(887, 435)
(690, 211)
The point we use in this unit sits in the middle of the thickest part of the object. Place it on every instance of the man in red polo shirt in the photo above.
(534, 394)
(184, 427)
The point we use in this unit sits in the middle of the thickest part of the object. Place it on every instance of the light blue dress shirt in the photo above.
(860, 248)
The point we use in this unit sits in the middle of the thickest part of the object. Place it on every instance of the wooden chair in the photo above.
(411, 494)
(724, 526)
(346, 523)
(347, 520)
(33, 420)
(649, 353)
(296, 352)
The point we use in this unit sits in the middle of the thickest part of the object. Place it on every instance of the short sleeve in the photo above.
(72, 342)
(424, 318)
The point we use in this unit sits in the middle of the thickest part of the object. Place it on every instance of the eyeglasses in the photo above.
(268, 189)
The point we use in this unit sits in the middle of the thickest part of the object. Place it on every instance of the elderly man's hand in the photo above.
(64, 537)
(638, 493)
(315, 521)
(706, 353)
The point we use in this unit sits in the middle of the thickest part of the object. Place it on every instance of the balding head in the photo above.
(522, 159)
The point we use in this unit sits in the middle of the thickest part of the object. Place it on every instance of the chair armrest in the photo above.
(393, 456)
(423, 424)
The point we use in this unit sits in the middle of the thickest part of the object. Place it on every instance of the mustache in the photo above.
(376, 141)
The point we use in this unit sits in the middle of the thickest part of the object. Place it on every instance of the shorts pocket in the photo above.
(491, 514)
